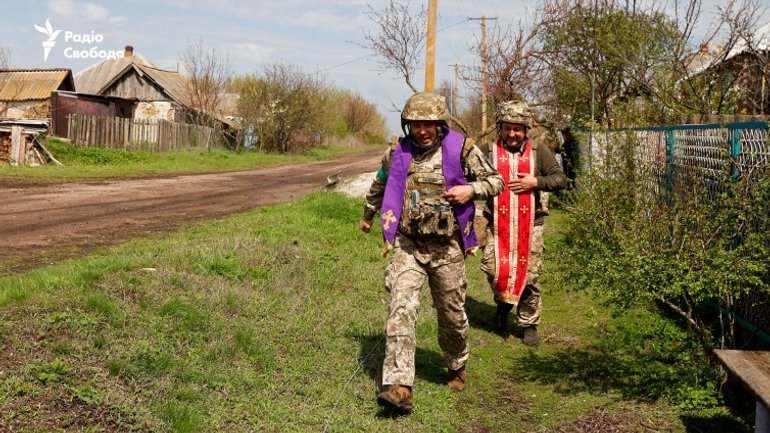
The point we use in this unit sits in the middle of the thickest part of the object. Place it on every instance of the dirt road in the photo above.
(44, 224)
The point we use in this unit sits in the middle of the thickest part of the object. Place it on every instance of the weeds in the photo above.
(273, 321)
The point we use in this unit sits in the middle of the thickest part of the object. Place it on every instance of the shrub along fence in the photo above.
(150, 134)
(715, 157)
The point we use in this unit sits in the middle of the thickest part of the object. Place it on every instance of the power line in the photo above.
(347, 63)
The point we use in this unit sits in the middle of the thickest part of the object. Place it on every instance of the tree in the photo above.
(602, 54)
(398, 40)
(285, 105)
(208, 74)
(728, 82)
(638, 66)
(362, 117)
(5, 57)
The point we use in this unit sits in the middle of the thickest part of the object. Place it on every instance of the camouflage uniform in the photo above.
(550, 177)
(439, 258)
(543, 134)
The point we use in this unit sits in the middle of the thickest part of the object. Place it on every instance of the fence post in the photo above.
(735, 150)
(670, 154)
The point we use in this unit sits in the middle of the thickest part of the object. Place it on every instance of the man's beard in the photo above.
(514, 143)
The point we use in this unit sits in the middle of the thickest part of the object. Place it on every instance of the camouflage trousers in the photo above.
(404, 279)
(530, 305)
(544, 202)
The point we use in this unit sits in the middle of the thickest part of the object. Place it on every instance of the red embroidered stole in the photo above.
(514, 217)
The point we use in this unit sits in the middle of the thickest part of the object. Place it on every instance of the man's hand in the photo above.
(458, 194)
(523, 183)
(365, 226)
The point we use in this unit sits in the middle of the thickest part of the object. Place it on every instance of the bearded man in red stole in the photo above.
(513, 254)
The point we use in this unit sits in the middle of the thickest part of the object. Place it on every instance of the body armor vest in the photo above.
(425, 212)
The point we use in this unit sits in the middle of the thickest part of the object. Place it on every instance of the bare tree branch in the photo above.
(398, 39)
(208, 74)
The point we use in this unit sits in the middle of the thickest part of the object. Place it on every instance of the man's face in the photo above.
(424, 132)
(513, 133)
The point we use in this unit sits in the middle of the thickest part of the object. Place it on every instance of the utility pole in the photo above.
(483, 20)
(430, 49)
(453, 107)
(454, 93)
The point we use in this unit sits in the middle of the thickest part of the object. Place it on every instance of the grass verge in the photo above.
(273, 321)
(89, 164)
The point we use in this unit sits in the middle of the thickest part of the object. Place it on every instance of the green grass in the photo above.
(88, 164)
(273, 321)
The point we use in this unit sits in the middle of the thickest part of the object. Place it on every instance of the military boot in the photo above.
(396, 397)
(530, 337)
(457, 379)
(500, 320)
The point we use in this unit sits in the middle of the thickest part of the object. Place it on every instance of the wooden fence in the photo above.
(132, 134)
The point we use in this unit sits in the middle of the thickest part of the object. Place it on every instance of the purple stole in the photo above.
(395, 188)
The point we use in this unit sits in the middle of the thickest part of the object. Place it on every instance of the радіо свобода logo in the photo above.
(51, 41)
(85, 41)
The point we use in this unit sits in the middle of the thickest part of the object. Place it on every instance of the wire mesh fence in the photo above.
(715, 154)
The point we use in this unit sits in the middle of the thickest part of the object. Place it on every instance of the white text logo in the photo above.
(77, 38)
(51, 41)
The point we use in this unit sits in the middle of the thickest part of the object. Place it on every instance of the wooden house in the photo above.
(156, 93)
(742, 73)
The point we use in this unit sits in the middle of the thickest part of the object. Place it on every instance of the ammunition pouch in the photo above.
(426, 213)
(429, 218)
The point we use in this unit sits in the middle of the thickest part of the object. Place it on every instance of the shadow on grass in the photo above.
(593, 370)
(630, 373)
(480, 313)
(430, 365)
(714, 424)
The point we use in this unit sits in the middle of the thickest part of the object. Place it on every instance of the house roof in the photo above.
(95, 79)
(175, 84)
(98, 78)
(30, 84)
(760, 41)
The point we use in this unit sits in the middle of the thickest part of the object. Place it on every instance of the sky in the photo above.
(316, 35)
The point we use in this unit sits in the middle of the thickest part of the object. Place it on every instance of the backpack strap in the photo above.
(467, 146)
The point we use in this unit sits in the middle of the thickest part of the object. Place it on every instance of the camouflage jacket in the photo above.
(480, 175)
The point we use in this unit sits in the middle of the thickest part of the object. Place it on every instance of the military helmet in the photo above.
(539, 118)
(425, 106)
(513, 112)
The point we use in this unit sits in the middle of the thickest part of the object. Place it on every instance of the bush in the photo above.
(638, 243)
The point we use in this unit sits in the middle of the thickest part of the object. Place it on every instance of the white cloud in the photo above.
(68, 9)
(246, 54)
(328, 21)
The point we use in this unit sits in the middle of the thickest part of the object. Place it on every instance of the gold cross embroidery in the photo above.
(388, 218)
(504, 260)
(468, 227)
(503, 209)
(524, 209)
(523, 158)
(504, 157)
(523, 260)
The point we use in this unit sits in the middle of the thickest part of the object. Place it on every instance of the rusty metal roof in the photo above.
(95, 79)
(175, 84)
(33, 83)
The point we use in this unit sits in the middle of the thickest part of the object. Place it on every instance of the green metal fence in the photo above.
(713, 152)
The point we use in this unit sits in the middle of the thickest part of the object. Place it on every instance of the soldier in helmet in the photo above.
(542, 133)
(513, 254)
(424, 191)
